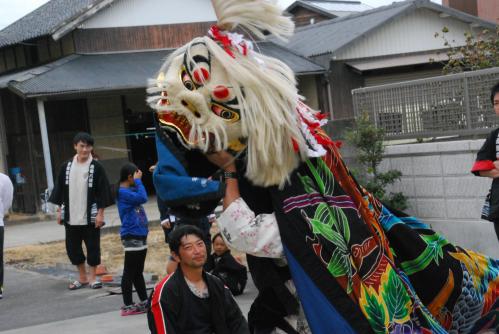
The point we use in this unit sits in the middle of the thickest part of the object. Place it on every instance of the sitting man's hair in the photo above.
(84, 137)
(493, 92)
(181, 232)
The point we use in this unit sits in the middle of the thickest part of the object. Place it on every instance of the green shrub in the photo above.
(368, 139)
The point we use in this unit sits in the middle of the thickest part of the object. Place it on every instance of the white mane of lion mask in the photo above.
(222, 95)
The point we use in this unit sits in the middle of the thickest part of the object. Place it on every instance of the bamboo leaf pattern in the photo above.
(432, 253)
(342, 222)
(336, 265)
(322, 214)
(317, 177)
(339, 265)
(330, 222)
(322, 229)
(308, 184)
(327, 176)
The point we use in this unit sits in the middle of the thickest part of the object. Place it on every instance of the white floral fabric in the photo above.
(255, 235)
(259, 236)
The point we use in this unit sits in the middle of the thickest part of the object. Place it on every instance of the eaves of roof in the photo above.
(309, 7)
(97, 73)
(25, 75)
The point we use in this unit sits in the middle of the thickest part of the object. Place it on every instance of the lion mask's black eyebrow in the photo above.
(198, 58)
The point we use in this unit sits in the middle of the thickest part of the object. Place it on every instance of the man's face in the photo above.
(83, 150)
(496, 104)
(192, 252)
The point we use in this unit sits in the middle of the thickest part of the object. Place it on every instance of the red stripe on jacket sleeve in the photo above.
(482, 165)
(157, 311)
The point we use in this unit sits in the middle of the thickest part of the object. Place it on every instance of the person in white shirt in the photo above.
(6, 195)
(82, 192)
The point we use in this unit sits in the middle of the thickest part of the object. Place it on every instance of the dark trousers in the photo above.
(496, 228)
(78, 234)
(1, 258)
(133, 275)
(164, 210)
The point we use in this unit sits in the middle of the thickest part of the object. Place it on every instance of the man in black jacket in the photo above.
(191, 300)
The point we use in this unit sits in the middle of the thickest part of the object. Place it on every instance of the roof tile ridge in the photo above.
(356, 15)
(291, 51)
(48, 3)
(77, 14)
(46, 68)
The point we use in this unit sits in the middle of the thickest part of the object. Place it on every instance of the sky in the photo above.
(19, 8)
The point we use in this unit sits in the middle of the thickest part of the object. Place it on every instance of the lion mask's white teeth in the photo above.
(206, 140)
(217, 145)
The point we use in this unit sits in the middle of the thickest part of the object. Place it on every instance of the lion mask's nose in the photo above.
(192, 108)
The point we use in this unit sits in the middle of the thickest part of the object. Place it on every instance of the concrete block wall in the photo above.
(442, 192)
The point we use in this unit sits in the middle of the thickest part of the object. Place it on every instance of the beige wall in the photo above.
(108, 128)
(308, 88)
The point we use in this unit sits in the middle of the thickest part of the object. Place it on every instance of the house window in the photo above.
(43, 50)
(3, 67)
(67, 45)
(20, 56)
(10, 59)
(31, 52)
(55, 49)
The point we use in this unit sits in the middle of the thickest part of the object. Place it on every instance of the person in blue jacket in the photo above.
(130, 196)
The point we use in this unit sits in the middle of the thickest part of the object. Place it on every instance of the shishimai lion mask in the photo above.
(217, 92)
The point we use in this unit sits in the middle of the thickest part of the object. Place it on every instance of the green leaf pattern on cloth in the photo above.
(396, 298)
(377, 316)
(432, 253)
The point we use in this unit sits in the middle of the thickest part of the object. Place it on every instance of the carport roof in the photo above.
(93, 73)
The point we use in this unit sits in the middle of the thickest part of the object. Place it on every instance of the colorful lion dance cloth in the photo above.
(358, 267)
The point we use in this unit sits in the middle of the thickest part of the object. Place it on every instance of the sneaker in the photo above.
(141, 306)
(130, 310)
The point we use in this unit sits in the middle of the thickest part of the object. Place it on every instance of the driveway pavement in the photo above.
(41, 303)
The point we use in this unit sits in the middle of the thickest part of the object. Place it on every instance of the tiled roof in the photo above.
(331, 35)
(44, 20)
(334, 7)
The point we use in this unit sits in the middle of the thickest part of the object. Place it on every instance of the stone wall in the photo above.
(442, 192)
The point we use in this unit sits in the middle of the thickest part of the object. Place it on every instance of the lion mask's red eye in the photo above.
(221, 93)
(201, 75)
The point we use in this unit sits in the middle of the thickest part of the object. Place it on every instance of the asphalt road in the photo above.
(42, 304)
